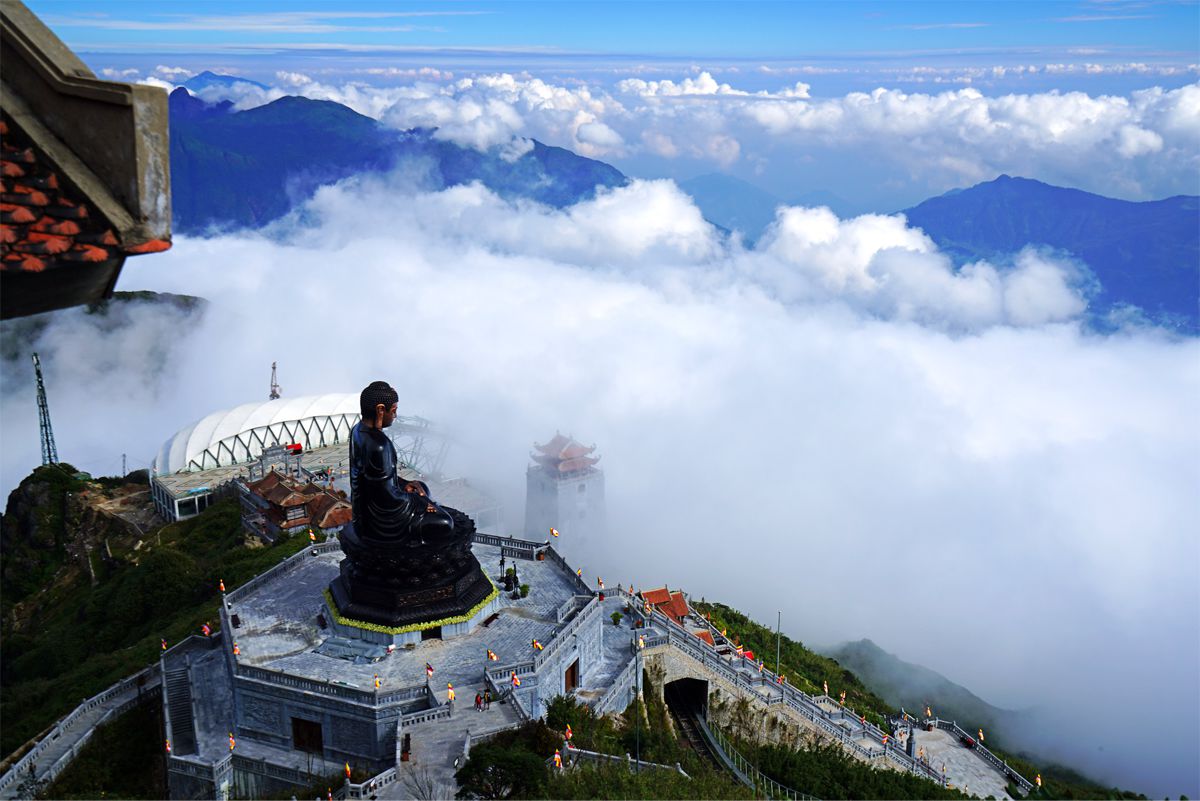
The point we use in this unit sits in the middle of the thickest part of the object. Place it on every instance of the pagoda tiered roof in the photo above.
(564, 454)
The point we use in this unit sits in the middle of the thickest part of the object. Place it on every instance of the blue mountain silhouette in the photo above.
(236, 169)
(1144, 254)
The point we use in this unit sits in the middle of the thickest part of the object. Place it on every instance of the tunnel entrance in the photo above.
(688, 696)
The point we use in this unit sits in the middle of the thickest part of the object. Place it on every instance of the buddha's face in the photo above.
(385, 416)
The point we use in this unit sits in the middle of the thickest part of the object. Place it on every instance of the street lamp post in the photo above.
(637, 704)
(778, 622)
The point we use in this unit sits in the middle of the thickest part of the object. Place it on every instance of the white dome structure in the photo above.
(242, 433)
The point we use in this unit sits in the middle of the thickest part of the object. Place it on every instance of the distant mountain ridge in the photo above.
(913, 686)
(1145, 254)
(247, 168)
(207, 79)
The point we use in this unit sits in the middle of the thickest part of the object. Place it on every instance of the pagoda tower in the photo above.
(565, 490)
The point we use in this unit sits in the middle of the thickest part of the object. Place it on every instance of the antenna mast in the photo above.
(275, 389)
(49, 451)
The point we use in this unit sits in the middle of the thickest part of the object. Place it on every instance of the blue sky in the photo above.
(955, 31)
(1094, 95)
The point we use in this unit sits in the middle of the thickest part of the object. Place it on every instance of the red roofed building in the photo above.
(563, 455)
(672, 604)
(705, 635)
(84, 172)
(277, 505)
(564, 490)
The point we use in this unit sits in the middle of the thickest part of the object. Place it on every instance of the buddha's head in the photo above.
(378, 404)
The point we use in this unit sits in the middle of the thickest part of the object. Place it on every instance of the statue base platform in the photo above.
(391, 588)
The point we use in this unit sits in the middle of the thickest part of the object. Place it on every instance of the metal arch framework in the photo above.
(409, 434)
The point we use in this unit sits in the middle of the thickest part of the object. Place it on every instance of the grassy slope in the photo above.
(89, 637)
(807, 670)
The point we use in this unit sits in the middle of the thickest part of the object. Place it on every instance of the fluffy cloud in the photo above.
(703, 84)
(882, 266)
(897, 451)
(1098, 142)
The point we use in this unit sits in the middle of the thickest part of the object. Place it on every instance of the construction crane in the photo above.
(275, 389)
(49, 450)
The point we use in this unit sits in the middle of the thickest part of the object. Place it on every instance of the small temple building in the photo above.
(672, 604)
(564, 490)
(278, 505)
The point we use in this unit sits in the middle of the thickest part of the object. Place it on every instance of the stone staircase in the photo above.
(178, 692)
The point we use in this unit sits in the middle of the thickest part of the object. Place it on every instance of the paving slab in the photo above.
(965, 769)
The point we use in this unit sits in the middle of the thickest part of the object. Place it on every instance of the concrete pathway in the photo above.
(70, 735)
(965, 769)
(437, 744)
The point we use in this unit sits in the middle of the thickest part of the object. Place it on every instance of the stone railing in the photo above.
(750, 775)
(556, 643)
(581, 587)
(572, 756)
(568, 607)
(611, 700)
(265, 768)
(678, 637)
(282, 569)
(511, 546)
(305, 685)
(426, 715)
(187, 767)
(414, 693)
(506, 692)
(987, 756)
(501, 676)
(150, 676)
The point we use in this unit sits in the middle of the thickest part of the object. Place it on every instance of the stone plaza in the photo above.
(301, 701)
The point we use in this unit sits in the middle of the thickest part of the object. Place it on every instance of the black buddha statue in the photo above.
(408, 559)
(385, 508)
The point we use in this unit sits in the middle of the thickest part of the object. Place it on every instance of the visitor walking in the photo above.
(478, 702)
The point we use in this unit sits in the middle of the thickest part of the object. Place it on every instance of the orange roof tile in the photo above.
(151, 246)
(677, 607)
(44, 225)
(656, 597)
(704, 635)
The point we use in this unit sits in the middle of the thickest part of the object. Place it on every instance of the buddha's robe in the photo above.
(384, 507)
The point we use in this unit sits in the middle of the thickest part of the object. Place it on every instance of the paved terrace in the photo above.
(278, 629)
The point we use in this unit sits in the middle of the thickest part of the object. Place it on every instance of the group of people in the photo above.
(483, 701)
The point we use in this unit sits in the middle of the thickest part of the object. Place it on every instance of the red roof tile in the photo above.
(50, 225)
(45, 225)
(45, 243)
(704, 635)
(677, 607)
(12, 214)
(656, 597)
(152, 246)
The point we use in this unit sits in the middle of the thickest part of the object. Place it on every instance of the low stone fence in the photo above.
(574, 756)
(623, 683)
(993, 760)
(150, 677)
(560, 637)
(747, 773)
(511, 546)
(282, 569)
